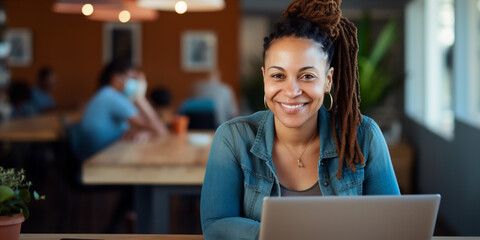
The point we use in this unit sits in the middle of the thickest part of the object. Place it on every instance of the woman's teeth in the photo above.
(293, 106)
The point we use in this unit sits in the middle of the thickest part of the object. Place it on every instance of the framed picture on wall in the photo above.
(20, 43)
(122, 41)
(199, 51)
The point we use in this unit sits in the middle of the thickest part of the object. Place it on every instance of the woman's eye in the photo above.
(307, 76)
(278, 76)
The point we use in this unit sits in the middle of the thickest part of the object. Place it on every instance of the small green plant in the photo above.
(15, 192)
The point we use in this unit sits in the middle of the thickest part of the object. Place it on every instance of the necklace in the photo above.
(299, 159)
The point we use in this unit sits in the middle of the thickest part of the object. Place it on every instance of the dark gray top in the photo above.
(312, 191)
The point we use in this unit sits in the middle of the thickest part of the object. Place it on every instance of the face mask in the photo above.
(130, 87)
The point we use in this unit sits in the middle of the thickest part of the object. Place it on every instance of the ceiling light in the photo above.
(180, 7)
(87, 9)
(76, 6)
(124, 16)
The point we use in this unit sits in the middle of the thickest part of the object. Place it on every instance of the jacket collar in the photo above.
(263, 144)
(328, 148)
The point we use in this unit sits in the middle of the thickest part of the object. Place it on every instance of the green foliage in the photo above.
(375, 80)
(15, 193)
(14, 178)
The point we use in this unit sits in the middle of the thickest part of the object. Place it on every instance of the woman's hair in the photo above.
(114, 67)
(322, 21)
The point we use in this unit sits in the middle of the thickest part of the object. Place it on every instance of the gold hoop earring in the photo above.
(265, 102)
(328, 101)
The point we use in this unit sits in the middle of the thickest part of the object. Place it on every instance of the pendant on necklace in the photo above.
(300, 164)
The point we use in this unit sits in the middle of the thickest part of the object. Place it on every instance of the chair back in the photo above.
(201, 112)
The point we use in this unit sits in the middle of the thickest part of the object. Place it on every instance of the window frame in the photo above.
(423, 68)
(414, 97)
(467, 54)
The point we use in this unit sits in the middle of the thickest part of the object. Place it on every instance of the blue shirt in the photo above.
(41, 99)
(105, 120)
(240, 172)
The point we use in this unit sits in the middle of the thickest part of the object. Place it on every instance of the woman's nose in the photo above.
(292, 88)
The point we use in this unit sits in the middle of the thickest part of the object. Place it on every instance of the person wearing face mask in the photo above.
(118, 109)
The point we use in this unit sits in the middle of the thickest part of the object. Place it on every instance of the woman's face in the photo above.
(120, 79)
(296, 76)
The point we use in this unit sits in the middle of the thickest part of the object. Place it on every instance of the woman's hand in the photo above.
(137, 135)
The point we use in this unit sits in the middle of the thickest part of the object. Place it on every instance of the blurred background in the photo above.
(419, 64)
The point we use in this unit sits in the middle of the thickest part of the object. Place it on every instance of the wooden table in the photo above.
(151, 237)
(38, 128)
(157, 169)
(43, 128)
(108, 237)
(169, 160)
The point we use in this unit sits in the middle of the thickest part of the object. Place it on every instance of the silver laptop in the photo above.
(403, 217)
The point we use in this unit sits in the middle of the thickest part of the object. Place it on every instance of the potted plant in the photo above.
(14, 196)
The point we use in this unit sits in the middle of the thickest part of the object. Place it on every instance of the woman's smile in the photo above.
(292, 107)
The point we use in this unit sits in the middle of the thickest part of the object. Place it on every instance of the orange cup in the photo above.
(180, 124)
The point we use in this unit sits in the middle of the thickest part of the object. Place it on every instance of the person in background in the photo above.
(162, 100)
(20, 96)
(225, 105)
(312, 140)
(118, 109)
(41, 93)
(5, 105)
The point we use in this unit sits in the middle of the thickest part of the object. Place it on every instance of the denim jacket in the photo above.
(240, 172)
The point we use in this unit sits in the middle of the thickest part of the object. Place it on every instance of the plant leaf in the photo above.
(26, 212)
(24, 195)
(6, 193)
(363, 35)
(384, 42)
(36, 196)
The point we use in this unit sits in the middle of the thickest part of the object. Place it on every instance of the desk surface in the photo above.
(31, 129)
(108, 237)
(38, 128)
(170, 160)
(150, 237)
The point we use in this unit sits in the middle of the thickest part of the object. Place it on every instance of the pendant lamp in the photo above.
(106, 10)
(75, 6)
(192, 5)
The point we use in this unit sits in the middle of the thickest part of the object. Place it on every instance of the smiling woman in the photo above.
(297, 147)
(296, 76)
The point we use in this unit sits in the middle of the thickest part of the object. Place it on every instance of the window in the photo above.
(474, 77)
(122, 41)
(430, 37)
(414, 100)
